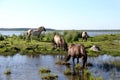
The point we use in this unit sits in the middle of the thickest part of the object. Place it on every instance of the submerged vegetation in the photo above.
(44, 70)
(46, 75)
(7, 72)
(10, 45)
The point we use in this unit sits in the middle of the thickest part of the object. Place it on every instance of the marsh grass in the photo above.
(109, 44)
(50, 77)
(7, 72)
(46, 74)
(78, 66)
(62, 63)
(89, 76)
(44, 70)
(68, 71)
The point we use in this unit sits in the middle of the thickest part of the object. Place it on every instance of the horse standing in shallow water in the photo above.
(77, 51)
(84, 36)
(35, 32)
(60, 42)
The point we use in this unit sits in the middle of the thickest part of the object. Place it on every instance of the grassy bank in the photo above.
(109, 44)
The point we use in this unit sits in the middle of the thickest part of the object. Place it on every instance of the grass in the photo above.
(109, 44)
(62, 63)
(68, 71)
(78, 67)
(7, 72)
(81, 73)
(49, 77)
(44, 70)
(46, 74)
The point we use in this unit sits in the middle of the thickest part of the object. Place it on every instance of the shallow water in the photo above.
(27, 68)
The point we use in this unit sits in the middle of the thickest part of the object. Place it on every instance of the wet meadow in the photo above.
(36, 60)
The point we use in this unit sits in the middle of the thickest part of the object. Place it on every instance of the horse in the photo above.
(77, 51)
(84, 36)
(58, 41)
(35, 32)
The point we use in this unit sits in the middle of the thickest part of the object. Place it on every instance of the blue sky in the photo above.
(60, 14)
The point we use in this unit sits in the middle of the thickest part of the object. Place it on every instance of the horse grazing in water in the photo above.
(58, 41)
(84, 36)
(35, 32)
(77, 51)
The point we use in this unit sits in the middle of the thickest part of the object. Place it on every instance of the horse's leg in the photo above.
(77, 59)
(28, 37)
(73, 60)
(60, 46)
(83, 39)
(54, 45)
(84, 60)
(86, 39)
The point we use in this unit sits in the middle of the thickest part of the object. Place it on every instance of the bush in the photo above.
(71, 36)
(1, 37)
(48, 36)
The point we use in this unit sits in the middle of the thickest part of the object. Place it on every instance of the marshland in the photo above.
(22, 59)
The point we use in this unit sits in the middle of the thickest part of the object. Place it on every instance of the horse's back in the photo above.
(57, 39)
(76, 50)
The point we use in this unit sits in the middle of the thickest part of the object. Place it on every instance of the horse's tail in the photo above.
(68, 58)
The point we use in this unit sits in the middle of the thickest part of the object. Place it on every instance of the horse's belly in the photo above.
(35, 33)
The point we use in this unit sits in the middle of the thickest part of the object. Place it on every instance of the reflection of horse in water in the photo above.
(76, 75)
(35, 32)
(77, 51)
(84, 36)
(60, 42)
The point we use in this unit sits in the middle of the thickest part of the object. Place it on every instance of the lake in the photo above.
(27, 67)
(90, 32)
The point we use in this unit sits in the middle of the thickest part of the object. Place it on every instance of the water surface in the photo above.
(90, 32)
(27, 68)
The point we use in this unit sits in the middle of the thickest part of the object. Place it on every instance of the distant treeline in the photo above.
(20, 29)
(48, 29)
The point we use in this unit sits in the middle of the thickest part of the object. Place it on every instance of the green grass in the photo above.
(44, 70)
(109, 44)
(50, 77)
(68, 71)
(62, 63)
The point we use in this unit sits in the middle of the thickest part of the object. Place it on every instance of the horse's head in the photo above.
(42, 28)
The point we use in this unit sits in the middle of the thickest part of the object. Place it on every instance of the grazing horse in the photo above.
(59, 42)
(35, 32)
(77, 51)
(84, 36)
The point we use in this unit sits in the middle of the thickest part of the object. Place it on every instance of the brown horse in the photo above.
(77, 51)
(84, 36)
(59, 41)
(35, 32)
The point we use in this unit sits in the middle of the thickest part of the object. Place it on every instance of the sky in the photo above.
(60, 14)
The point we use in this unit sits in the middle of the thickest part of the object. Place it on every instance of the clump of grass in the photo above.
(67, 71)
(44, 70)
(78, 66)
(50, 77)
(7, 72)
(62, 63)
